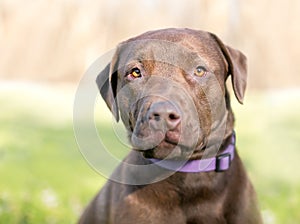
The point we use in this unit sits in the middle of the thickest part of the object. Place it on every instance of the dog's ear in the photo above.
(107, 82)
(237, 68)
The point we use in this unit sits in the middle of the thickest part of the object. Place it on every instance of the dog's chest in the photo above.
(161, 202)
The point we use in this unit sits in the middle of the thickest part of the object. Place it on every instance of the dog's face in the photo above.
(169, 88)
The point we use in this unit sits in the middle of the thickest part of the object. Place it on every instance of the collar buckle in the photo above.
(223, 162)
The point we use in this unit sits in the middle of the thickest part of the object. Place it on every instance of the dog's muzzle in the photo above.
(160, 123)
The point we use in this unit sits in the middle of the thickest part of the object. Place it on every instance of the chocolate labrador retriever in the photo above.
(168, 87)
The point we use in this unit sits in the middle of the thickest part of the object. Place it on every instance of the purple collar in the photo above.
(218, 163)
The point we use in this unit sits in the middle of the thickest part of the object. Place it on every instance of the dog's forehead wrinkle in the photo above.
(190, 40)
(163, 51)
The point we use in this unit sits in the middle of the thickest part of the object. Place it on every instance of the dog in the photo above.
(169, 88)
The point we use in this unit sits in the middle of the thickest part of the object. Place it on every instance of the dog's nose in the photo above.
(163, 115)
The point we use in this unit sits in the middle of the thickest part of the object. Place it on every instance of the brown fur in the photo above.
(193, 198)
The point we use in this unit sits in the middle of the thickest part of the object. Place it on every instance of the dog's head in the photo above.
(168, 87)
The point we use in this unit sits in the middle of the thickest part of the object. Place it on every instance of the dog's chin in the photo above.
(164, 150)
(171, 151)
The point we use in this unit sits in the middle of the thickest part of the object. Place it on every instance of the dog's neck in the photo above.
(220, 162)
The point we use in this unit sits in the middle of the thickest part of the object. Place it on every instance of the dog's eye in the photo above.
(135, 73)
(200, 71)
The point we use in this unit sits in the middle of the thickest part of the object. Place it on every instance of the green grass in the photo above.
(268, 129)
(45, 179)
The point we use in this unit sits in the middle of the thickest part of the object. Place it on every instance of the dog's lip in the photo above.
(175, 143)
(172, 136)
(171, 140)
(164, 141)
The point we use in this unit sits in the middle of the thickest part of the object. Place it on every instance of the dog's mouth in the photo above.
(168, 140)
(170, 150)
(170, 147)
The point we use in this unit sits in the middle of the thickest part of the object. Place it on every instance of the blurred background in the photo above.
(45, 48)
